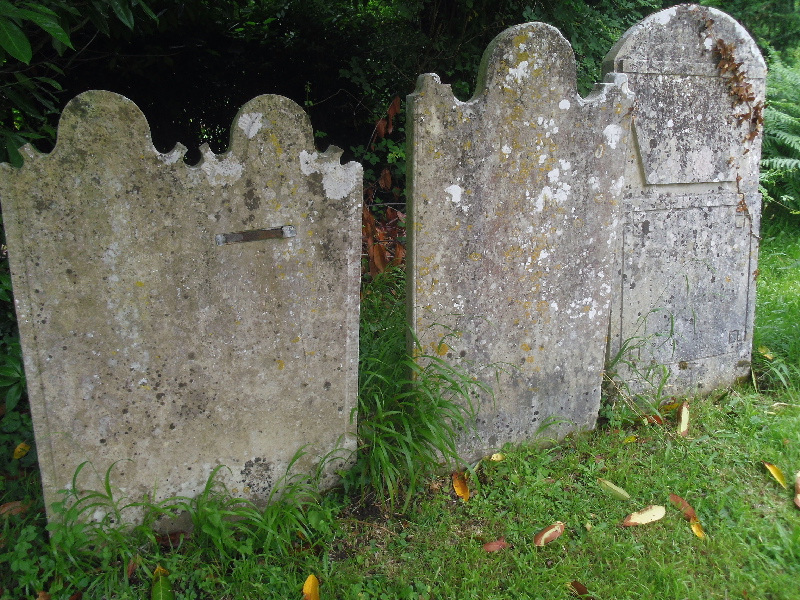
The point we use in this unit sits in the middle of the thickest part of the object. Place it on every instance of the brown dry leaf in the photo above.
(460, 485)
(15, 507)
(378, 259)
(380, 128)
(683, 506)
(576, 588)
(172, 540)
(385, 180)
(399, 254)
(311, 588)
(777, 474)
(549, 534)
(43, 596)
(649, 514)
(132, 565)
(697, 528)
(394, 109)
(76, 596)
(497, 545)
(654, 419)
(21, 450)
(683, 420)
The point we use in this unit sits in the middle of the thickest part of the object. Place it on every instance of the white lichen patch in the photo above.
(664, 17)
(616, 186)
(170, 158)
(250, 123)
(613, 134)
(220, 171)
(454, 192)
(564, 104)
(338, 180)
(518, 73)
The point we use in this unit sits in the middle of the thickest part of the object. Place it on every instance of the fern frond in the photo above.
(782, 164)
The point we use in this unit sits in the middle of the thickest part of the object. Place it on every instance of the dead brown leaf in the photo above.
(497, 545)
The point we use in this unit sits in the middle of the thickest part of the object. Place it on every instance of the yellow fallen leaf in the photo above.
(612, 489)
(697, 528)
(764, 351)
(669, 407)
(21, 450)
(630, 439)
(649, 514)
(460, 486)
(311, 588)
(683, 420)
(160, 572)
(497, 457)
(777, 474)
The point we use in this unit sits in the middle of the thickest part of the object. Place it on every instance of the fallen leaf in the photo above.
(172, 540)
(777, 474)
(497, 457)
(21, 450)
(649, 514)
(764, 351)
(669, 407)
(576, 588)
(133, 563)
(311, 588)
(15, 507)
(683, 420)
(76, 596)
(43, 596)
(497, 545)
(460, 486)
(549, 534)
(614, 490)
(630, 439)
(797, 489)
(683, 506)
(654, 419)
(697, 528)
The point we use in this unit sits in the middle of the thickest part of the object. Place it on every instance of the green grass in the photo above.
(397, 529)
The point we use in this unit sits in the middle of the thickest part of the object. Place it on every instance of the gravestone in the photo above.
(684, 284)
(182, 318)
(514, 221)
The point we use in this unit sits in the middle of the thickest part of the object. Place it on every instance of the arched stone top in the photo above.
(527, 55)
(680, 41)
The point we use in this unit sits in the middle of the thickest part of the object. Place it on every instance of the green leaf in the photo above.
(146, 9)
(14, 41)
(123, 11)
(49, 23)
(162, 590)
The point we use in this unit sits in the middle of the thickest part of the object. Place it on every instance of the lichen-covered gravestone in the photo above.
(177, 318)
(685, 277)
(513, 223)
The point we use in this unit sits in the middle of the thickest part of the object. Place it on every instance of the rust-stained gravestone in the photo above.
(514, 222)
(180, 318)
(685, 277)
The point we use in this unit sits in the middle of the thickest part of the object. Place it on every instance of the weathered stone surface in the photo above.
(145, 341)
(514, 225)
(685, 276)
